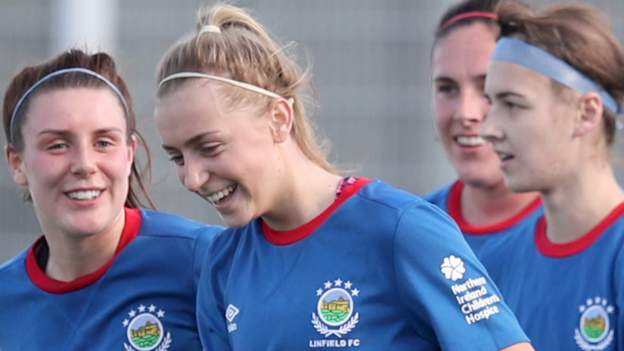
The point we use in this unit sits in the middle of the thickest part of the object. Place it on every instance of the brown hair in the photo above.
(451, 19)
(580, 36)
(99, 63)
(243, 50)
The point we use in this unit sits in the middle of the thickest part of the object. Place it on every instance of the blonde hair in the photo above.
(237, 47)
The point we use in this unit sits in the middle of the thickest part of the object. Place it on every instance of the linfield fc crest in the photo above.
(144, 329)
(335, 308)
(594, 331)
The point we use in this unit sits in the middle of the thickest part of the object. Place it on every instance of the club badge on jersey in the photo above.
(335, 315)
(144, 329)
(594, 332)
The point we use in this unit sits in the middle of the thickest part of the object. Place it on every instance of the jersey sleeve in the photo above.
(446, 290)
(618, 283)
(210, 307)
(205, 235)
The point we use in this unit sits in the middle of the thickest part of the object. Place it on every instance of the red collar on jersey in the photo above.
(551, 249)
(288, 237)
(455, 211)
(38, 276)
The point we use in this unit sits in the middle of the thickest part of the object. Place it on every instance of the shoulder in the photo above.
(400, 203)
(14, 269)
(162, 224)
(440, 196)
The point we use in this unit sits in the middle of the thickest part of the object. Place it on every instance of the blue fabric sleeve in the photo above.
(205, 235)
(210, 306)
(618, 282)
(445, 289)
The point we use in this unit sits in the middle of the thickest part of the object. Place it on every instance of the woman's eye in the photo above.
(103, 144)
(446, 88)
(210, 149)
(56, 146)
(177, 159)
(510, 105)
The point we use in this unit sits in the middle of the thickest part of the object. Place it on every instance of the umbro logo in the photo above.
(230, 313)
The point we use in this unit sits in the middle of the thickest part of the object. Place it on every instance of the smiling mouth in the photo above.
(84, 195)
(219, 196)
(504, 156)
(470, 141)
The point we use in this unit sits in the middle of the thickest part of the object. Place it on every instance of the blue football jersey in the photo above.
(143, 299)
(491, 242)
(569, 296)
(380, 269)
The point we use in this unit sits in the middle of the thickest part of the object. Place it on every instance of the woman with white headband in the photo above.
(313, 259)
(105, 274)
(485, 209)
(556, 85)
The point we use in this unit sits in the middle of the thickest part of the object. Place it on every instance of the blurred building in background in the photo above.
(370, 73)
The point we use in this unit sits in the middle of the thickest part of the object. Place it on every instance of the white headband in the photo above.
(209, 28)
(20, 102)
(243, 85)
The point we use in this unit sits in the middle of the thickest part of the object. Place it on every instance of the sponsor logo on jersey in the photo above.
(594, 332)
(335, 314)
(230, 313)
(475, 301)
(144, 329)
(453, 268)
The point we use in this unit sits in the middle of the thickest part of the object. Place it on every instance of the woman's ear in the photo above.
(589, 113)
(16, 165)
(281, 116)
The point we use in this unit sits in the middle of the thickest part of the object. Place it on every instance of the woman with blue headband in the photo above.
(313, 259)
(485, 209)
(556, 85)
(105, 274)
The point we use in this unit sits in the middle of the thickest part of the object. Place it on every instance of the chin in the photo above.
(480, 177)
(518, 186)
(235, 221)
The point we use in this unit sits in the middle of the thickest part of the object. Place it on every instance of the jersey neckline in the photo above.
(455, 210)
(556, 250)
(287, 237)
(131, 229)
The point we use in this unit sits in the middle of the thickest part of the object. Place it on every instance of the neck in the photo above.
(307, 190)
(482, 206)
(74, 256)
(577, 205)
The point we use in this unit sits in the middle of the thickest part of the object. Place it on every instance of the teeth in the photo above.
(84, 194)
(220, 195)
(470, 140)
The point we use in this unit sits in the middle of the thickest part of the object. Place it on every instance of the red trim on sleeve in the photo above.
(454, 209)
(288, 237)
(131, 229)
(556, 250)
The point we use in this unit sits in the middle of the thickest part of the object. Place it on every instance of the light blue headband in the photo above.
(538, 60)
(20, 102)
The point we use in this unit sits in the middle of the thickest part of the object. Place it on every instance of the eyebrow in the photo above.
(506, 94)
(443, 78)
(64, 132)
(192, 141)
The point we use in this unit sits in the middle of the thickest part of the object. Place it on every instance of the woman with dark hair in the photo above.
(556, 85)
(105, 274)
(487, 212)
